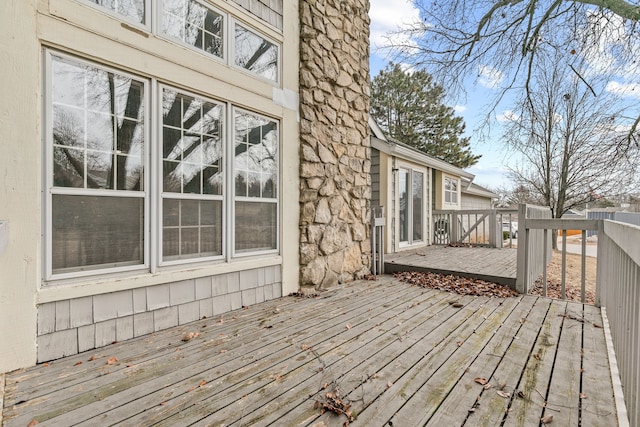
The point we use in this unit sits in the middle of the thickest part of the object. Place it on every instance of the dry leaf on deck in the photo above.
(583, 395)
(481, 381)
(546, 419)
(112, 360)
(32, 423)
(503, 394)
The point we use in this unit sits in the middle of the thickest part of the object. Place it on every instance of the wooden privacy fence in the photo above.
(617, 285)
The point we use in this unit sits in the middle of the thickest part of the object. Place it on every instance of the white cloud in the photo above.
(507, 116)
(489, 77)
(387, 16)
(459, 108)
(624, 89)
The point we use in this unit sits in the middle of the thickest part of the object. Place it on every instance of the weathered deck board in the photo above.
(598, 404)
(395, 352)
(490, 264)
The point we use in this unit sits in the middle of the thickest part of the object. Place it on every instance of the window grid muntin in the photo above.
(164, 14)
(50, 56)
(196, 103)
(87, 109)
(245, 198)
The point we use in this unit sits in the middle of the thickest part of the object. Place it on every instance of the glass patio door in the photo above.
(411, 206)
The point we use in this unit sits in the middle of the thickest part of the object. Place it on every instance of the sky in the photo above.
(492, 169)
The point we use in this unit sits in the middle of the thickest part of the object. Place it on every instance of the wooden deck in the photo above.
(490, 264)
(399, 355)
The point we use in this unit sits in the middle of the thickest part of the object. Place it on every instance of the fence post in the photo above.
(522, 265)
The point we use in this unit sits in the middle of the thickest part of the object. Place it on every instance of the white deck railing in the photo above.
(482, 227)
(618, 291)
(617, 285)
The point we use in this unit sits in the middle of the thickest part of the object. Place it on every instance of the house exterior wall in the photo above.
(44, 319)
(335, 162)
(472, 202)
(268, 10)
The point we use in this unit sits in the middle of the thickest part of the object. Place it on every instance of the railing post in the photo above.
(522, 267)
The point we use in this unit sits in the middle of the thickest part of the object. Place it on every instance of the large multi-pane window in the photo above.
(100, 160)
(194, 24)
(192, 181)
(256, 143)
(96, 150)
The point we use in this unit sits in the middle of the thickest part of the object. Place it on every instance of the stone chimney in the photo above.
(335, 183)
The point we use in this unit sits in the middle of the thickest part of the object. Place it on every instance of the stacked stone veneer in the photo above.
(72, 326)
(334, 154)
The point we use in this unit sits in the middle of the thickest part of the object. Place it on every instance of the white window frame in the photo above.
(232, 49)
(225, 31)
(412, 170)
(148, 17)
(448, 192)
(231, 186)
(158, 179)
(50, 190)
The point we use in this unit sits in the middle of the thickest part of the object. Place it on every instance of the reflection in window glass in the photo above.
(92, 232)
(97, 128)
(252, 52)
(96, 137)
(191, 144)
(417, 181)
(256, 156)
(132, 9)
(403, 198)
(255, 171)
(192, 138)
(194, 24)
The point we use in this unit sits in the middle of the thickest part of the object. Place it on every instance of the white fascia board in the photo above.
(376, 130)
(415, 156)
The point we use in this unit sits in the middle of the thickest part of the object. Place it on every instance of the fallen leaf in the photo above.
(112, 360)
(487, 386)
(348, 326)
(595, 325)
(389, 384)
(78, 363)
(546, 419)
(91, 359)
(536, 356)
(459, 343)
(503, 394)
(583, 395)
(304, 347)
(520, 394)
(45, 364)
(457, 305)
(189, 336)
(481, 381)
(32, 423)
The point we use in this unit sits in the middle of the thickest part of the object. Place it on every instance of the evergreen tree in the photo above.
(409, 107)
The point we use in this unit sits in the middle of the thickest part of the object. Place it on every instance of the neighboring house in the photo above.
(410, 185)
(154, 157)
